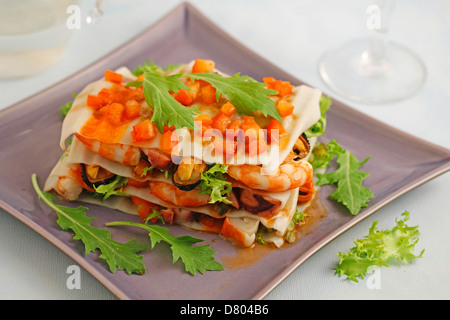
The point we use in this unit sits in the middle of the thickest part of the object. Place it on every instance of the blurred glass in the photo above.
(33, 35)
(373, 70)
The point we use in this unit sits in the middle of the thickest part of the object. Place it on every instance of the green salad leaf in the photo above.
(122, 256)
(379, 248)
(195, 258)
(319, 127)
(214, 182)
(64, 109)
(115, 187)
(166, 110)
(245, 93)
(347, 177)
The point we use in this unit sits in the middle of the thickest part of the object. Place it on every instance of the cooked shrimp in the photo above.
(170, 193)
(127, 155)
(290, 175)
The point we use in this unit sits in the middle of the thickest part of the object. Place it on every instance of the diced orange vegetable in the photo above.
(284, 108)
(255, 147)
(203, 65)
(224, 147)
(106, 96)
(144, 207)
(250, 127)
(184, 97)
(132, 109)
(268, 80)
(204, 118)
(113, 76)
(143, 131)
(276, 132)
(221, 122)
(195, 89)
(94, 101)
(228, 109)
(283, 87)
(208, 94)
(168, 141)
(167, 128)
(140, 77)
(236, 124)
(115, 113)
(121, 94)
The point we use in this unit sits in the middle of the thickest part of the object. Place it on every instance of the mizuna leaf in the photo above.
(195, 258)
(166, 110)
(122, 256)
(245, 93)
(348, 178)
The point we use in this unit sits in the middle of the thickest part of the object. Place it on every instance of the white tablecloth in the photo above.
(292, 34)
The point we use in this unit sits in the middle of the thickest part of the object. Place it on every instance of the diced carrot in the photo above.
(255, 147)
(225, 147)
(283, 87)
(195, 89)
(106, 95)
(168, 141)
(120, 94)
(143, 131)
(140, 77)
(204, 118)
(113, 76)
(144, 207)
(135, 94)
(250, 127)
(275, 124)
(221, 122)
(268, 80)
(228, 109)
(94, 101)
(284, 108)
(167, 128)
(208, 94)
(132, 109)
(276, 133)
(184, 97)
(203, 65)
(236, 124)
(115, 113)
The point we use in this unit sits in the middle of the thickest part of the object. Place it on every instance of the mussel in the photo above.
(188, 174)
(94, 176)
(302, 146)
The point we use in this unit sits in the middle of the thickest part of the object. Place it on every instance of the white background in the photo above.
(292, 35)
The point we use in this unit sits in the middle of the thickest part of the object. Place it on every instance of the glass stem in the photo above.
(374, 61)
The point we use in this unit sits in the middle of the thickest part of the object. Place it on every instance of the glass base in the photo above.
(352, 73)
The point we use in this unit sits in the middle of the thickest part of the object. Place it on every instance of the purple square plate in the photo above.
(399, 162)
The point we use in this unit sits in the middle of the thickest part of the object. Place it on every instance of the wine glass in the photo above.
(373, 70)
(96, 13)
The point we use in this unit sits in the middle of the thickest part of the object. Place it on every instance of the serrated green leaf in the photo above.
(245, 93)
(379, 248)
(213, 182)
(122, 256)
(166, 110)
(348, 178)
(195, 258)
